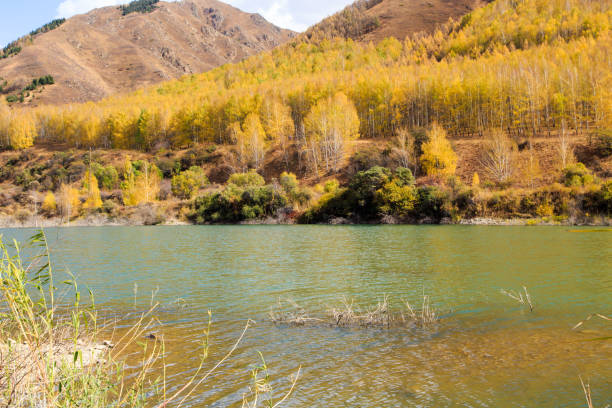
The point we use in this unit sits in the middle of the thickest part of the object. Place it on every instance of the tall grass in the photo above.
(51, 355)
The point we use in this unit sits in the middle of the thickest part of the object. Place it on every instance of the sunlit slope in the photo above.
(525, 66)
(103, 52)
(375, 20)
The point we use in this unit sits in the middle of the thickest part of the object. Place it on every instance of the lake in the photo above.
(487, 350)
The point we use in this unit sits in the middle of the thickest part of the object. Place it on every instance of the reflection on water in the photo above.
(487, 351)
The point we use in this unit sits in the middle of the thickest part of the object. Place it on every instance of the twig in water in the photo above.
(587, 394)
(589, 318)
(518, 296)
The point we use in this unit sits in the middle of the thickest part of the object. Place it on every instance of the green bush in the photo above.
(238, 203)
(336, 203)
(577, 175)
(430, 203)
(186, 184)
(250, 179)
(397, 198)
(363, 188)
(107, 176)
(291, 187)
(465, 203)
(605, 198)
(404, 177)
(600, 201)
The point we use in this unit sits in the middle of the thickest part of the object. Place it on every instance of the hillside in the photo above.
(504, 112)
(375, 20)
(103, 52)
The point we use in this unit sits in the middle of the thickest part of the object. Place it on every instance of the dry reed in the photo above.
(348, 314)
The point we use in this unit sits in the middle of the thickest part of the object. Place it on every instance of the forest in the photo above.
(138, 6)
(504, 75)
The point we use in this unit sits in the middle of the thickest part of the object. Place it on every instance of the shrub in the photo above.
(250, 179)
(600, 201)
(404, 177)
(364, 159)
(577, 175)
(465, 203)
(397, 198)
(22, 215)
(186, 184)
(604, 143)
(291, 187)
(168, 167)
(546, 209)
(431, 203)
(49, 205)
(106, 175)
(331, 186)
(337, 202)
(364, 186)
(141, 183)
(238, 203)
(605, 197)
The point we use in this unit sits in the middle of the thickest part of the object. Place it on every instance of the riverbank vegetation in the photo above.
(199, 186)
(52, 353)
(502, 114)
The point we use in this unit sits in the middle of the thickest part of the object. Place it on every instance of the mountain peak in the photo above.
(103, 52)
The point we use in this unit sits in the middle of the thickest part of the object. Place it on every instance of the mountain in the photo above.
(375, 20)
(93, 55)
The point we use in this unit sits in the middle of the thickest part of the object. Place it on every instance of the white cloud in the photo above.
(69, 8)
(279, 13)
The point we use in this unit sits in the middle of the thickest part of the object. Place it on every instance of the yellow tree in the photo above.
(49, 204)
(278, 124)
(89, 130)
(329, 125)
(254, 139)
(475, 180)
(4, 123)
(238, 138)
(21, 131)
(140, 186)
(91, 191)
(438, 158)
(68, 201)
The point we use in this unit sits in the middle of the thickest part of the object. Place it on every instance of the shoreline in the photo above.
(8, 222)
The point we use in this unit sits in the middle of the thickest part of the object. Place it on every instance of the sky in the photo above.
(19, 17)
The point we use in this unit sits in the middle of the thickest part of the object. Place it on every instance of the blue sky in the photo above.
(19, 17)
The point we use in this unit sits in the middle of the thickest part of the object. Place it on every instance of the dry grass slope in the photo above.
(102, 52)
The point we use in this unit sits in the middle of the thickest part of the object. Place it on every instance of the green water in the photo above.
(486, 351)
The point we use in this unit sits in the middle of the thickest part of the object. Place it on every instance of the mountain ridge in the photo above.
(102, 52)
(375, 20)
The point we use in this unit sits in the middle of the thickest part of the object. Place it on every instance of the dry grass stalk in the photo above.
(518, 296)
(591, 317)
(586, 388)
(348, 314)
